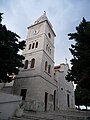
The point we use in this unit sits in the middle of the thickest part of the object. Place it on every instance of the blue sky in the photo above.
(64, 15)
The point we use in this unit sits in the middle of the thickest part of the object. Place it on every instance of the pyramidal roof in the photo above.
(43, 18)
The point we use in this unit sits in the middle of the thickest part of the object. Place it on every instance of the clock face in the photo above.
(36, 31)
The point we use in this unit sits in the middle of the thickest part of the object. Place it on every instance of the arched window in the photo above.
(50, 50)
(33, 45)
(36, 44)
(26, 64)
(46, 66)
(54, 75)
(29, 46)
(32, 63)
(49, 35)
(49, 68)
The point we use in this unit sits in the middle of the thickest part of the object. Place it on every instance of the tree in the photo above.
(78, 97)
(82, 97)
(80, 70)
(10, 60)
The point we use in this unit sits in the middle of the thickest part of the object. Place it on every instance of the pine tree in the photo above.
(10, 60)
(80, 70)
(82, 97)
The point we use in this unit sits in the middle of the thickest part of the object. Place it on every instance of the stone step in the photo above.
(72, 113)
(61, 115)
(55, 118)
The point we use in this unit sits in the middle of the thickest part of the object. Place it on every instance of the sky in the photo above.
(64, 15)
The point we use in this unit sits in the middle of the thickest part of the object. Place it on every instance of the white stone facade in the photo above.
(38, 82)
(65, 89)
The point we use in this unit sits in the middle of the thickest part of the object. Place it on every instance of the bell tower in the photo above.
(36, 78)
(40, 46)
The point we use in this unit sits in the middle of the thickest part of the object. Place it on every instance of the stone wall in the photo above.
(8, 105)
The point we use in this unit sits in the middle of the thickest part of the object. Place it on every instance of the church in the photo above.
(42, 85)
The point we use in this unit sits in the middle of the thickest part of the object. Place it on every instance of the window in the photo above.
(49, 67)
(33, 45)
(29, 46)
(62, 89)
(50, 50)
(54, 75)
(46, 47)
(46, 66)
(36, 44)
(26, 64)
(32, 63)
(49, 35)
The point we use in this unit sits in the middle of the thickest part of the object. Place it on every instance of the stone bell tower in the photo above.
(35, 81)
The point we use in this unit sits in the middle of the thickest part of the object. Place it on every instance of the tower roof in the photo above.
(43, 18)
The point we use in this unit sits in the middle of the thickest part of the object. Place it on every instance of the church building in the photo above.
(41, 84)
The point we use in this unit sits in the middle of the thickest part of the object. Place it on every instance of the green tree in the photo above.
(78, 97)
(10, 60)
(82, 97)
(80, 70)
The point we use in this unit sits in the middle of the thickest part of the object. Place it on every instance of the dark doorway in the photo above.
(26, 64)
(23, 93)
(68, 103)
(46, 97)
(54, 98)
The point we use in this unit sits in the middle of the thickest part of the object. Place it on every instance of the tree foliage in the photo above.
(80, 70)
(82, 97)
(10, 60)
